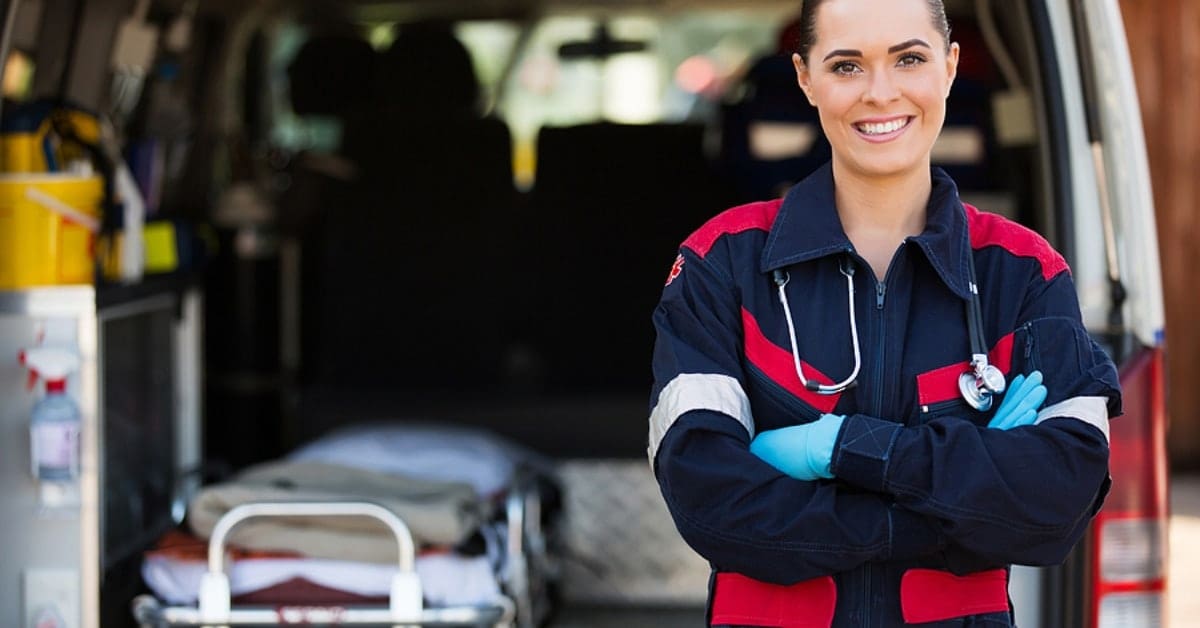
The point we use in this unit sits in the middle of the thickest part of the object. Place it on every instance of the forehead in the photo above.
(863, 24)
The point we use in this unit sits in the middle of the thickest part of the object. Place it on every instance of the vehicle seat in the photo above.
(967, 147)
(414, 267)
(611, 204)
(771, 137)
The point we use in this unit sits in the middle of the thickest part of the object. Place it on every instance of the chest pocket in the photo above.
(938, 394)
(774, 379)
(955, 406)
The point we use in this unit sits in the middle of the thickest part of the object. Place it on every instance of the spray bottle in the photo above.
(54, 428)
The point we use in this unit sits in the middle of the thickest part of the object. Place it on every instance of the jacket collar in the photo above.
(808, 227)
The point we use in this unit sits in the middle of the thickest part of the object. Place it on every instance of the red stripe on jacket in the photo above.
(926, 595)
(758, 216)
(778, 364)
(941, 384)
(993, 230)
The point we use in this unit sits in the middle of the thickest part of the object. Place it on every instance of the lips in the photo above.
(882, 129)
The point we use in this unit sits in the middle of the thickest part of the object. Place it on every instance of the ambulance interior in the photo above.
(462, 213)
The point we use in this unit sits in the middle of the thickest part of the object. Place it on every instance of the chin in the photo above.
(886, 166)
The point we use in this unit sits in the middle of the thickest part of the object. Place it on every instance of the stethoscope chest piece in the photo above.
(978, 389)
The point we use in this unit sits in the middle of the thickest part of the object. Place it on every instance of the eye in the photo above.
(910, 60)
(844, 68)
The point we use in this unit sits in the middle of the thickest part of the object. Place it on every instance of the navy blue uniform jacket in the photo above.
(920, 480)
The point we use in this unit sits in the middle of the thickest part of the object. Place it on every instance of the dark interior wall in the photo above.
(1164, 41)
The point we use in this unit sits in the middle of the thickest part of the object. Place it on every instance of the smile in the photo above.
(883, 130)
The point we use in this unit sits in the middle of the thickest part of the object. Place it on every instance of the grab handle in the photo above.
(405, 603)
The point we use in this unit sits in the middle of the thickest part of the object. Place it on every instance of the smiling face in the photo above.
(878, 73)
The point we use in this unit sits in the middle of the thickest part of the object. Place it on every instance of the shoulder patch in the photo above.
(676, 268)
(758, 216)
(988, 229)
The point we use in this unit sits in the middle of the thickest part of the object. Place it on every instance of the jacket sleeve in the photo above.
(1023, 495)
(735, 510)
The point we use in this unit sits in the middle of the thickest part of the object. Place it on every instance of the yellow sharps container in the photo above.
(48, 224)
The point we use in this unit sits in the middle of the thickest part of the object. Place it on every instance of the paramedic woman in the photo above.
(812, 430)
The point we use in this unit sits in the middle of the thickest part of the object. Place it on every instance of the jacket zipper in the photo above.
(880, 299)
(877, 401)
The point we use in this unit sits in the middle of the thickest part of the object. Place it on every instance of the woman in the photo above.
(900, 493)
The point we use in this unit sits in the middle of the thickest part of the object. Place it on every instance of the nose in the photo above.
(881, 88)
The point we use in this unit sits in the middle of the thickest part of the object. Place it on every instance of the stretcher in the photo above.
(523, 577)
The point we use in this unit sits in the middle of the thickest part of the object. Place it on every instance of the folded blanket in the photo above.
(173, 572)
(436, 512)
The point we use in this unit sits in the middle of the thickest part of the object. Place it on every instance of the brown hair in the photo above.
(808, 24)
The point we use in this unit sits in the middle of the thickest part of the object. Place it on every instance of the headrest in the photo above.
(429, 70)
(330, 75)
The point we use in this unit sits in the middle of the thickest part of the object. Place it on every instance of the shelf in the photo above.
(76, 299)
(48, 301)
(109, 295)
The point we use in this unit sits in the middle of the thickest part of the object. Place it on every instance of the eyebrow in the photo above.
(894, 49)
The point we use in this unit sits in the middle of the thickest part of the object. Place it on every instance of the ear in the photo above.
(951, 66)
(803, 77)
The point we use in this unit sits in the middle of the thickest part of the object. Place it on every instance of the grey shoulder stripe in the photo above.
(1090, 410)
(697, 391)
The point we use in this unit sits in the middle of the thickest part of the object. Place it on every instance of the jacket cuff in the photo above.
(913, 535)
(863, 450)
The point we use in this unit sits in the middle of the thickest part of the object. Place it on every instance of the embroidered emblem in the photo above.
(676, 268)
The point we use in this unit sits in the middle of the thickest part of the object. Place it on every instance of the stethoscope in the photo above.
(977, 385)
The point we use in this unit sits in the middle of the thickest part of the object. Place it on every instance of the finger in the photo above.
(1029, 417)
(1032, 401)
(1015, 419)
(1001, 415)
(1009, 397)
(1028, 406)
(1005, 423)
(1015, 385)
(1028, 383)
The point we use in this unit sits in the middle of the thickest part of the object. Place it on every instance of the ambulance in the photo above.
(451, 220)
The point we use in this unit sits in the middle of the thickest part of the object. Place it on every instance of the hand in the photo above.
(1021, 402)
(801, 451)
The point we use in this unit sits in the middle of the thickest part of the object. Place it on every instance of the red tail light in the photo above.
(1130, 543)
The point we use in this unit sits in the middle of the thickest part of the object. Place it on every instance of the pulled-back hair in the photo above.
(808, 24)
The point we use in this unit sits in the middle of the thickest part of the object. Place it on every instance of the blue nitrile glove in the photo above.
(801, 451)
(1021, 402)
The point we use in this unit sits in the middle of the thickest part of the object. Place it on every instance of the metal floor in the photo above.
(628, 618)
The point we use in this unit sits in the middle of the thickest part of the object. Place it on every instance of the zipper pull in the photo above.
(880, 291)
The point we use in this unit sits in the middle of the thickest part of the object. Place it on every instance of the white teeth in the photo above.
(882, 128)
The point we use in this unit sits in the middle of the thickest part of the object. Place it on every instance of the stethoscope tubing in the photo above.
(977, 385)
(781, 280)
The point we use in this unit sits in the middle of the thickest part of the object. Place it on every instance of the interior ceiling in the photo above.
(401, 10)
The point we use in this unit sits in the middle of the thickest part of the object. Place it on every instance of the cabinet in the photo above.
(71, 553)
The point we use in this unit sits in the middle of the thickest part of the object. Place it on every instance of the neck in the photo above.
(874, 208)
(879, 213)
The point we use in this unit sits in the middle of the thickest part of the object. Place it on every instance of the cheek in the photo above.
(930, 96)
(834, 102)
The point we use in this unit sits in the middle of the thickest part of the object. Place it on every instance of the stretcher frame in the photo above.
(518, 608)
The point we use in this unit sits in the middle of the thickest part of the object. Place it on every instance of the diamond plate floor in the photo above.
(582, 617)
(623, 549)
